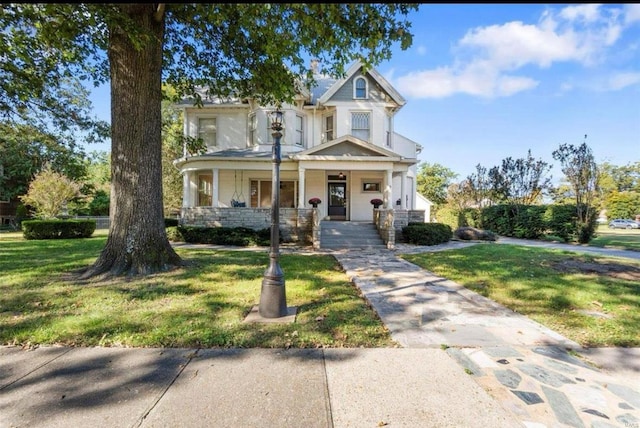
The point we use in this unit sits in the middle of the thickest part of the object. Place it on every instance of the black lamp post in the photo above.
(273, 302)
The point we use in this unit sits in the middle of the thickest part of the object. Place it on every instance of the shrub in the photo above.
(473, 234)
(174, 235)
(58, 229)
(99, 205)
(237, 236)
(169, 222)
(49, 192)
(426, 233)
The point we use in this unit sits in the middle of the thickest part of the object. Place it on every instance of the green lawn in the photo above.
(626, 239)
(202, 305)
(559, 289)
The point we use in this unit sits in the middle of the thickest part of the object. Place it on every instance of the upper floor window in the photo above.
(207, 131)
(360, 88)
(328, 128)
(269, 131)
(299, 130)
(360, 127)
(253, 130)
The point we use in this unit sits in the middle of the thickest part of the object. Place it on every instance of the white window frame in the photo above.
(299, 130)
(356, 88)
(270, 131)
(253, 129)
(328, 134)
(357, 132)
(200, 133)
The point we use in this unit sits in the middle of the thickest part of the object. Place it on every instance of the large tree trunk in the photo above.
(137, 242)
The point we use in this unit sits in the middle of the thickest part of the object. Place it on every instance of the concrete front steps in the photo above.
(339, 235)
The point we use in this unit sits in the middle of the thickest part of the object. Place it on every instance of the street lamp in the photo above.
(273, 302)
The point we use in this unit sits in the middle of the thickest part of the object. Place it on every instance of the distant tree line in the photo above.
(519, 183)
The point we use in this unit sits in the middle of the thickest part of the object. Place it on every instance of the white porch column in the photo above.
(403, 190)
(301, 185)
(186, 190)
(388, 203)
(215, 190)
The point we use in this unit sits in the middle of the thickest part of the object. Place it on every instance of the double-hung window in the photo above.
(253, 130)
(207, 131)
(299, 130)
(328, 129)
(205, 189)
(360, 125)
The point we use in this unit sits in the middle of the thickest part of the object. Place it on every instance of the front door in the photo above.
(338, 201)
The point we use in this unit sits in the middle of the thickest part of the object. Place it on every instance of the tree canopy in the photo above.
(433, 180)
(251, 50)
(25, 150)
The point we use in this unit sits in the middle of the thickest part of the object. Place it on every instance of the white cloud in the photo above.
(622, 80)
(584, 12)
(487, 57)
(422, 50)
(515, 44)
(509, 85)
(438, 83)
(631, 13)
(476, 80)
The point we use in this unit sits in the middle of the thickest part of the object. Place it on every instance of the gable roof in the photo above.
(348, 147)
(395, 95)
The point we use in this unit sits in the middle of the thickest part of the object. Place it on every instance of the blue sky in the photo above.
(487, 82)
(484, 82)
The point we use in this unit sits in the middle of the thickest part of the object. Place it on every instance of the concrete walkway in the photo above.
(462, 361)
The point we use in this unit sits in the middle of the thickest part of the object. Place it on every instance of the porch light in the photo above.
(273, 302)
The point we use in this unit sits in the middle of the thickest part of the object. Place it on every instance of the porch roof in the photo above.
(350, 148)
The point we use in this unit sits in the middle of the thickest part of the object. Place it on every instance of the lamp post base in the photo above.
(273, 302)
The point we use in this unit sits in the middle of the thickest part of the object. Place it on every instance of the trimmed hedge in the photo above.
(58, 229)
(170, 222)
(237, 236)
(427, 233)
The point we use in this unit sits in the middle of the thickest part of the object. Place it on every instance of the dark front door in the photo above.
(338, 201)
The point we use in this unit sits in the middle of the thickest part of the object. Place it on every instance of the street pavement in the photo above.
(461, 361)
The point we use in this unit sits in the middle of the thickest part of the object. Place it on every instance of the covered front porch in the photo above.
(344, 175)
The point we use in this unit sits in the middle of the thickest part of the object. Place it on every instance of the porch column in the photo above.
(403, 190)
(215, 188)
(186, 190)
(388, 203)
(301, 196)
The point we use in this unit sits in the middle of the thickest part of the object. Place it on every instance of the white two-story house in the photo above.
(338, 145)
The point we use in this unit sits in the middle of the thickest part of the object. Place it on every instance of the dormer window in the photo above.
(360, 88)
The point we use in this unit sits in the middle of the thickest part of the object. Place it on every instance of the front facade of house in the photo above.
(338, 145)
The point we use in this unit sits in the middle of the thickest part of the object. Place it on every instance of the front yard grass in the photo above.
(202, 305)
(624, 239)
(594, 301)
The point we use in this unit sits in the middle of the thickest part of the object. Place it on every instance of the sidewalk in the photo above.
(464, 361)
